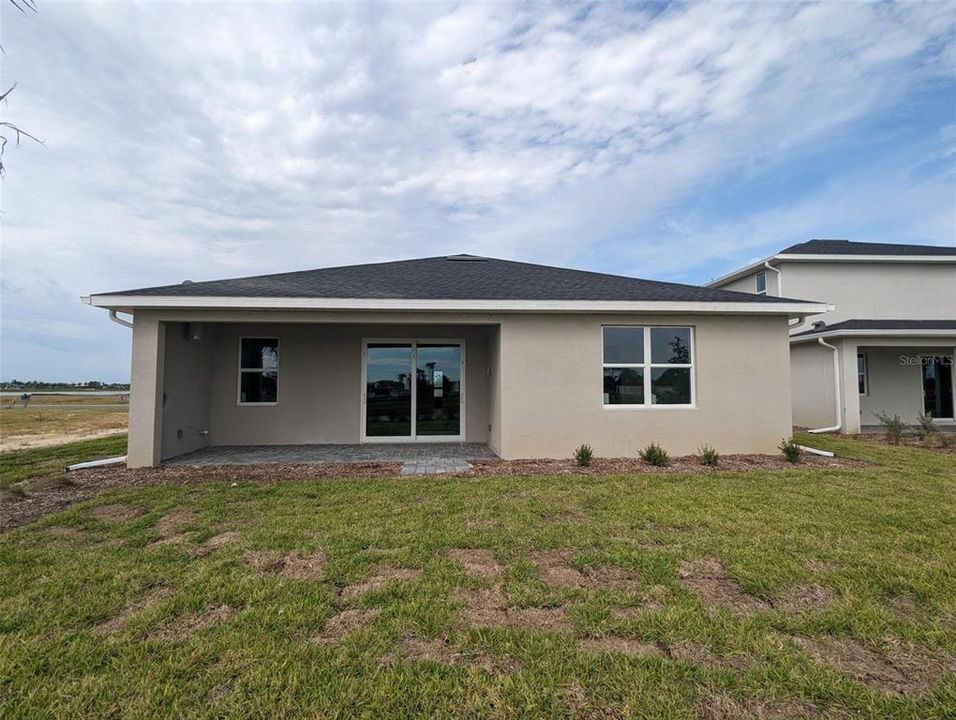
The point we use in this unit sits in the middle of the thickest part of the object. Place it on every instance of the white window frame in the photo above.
(864, 375)
(242, 370)
(757, 278)
(647, 366)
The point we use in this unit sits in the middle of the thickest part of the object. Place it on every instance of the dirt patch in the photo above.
(477, 561)
(21, 441)
(554, 568)
(385, 575)
(264, 560)
(168, 527)
(440, 650)
(190, 624)
(488, 607)
(899, 668)
(214, 543)
(804, 598)
(119, 620)
(710, 582)
(632, 466)
(726, 707)
(115, 513)
(292, 566)
(341, 624)
(303, 567)
(691, 652)
(624, 646)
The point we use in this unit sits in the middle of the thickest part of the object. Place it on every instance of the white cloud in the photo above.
(208, 140)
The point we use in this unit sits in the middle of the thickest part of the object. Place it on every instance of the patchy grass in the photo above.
(808, 592)
(36, 463)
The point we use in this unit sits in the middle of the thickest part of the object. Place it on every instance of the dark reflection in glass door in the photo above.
(438, 402)
(388, 390)
(938, 385)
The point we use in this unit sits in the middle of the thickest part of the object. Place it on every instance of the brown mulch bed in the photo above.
(81, 485)
(633, 466)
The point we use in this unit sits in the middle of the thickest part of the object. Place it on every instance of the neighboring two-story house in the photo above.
(886, 345)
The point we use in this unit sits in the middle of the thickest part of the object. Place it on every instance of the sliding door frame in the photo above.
(413, 436)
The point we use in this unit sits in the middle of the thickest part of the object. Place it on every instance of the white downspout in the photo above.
(836, 390)
(119, 320)
(766, 264)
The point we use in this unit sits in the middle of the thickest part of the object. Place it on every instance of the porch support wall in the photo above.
(849, 386)
(146, 392)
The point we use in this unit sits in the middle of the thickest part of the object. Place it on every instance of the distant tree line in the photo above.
(44, 385)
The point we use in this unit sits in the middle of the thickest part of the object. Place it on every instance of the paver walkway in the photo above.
(417, 458)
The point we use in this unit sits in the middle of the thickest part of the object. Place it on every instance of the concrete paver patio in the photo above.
(417, 458)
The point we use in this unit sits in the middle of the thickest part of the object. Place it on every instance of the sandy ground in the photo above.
(25, 442)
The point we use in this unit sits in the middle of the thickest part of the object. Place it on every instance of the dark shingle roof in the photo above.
(845, 247)
(454, 277)
(878, 325)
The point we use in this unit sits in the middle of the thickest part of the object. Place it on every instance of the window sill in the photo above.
(257, 404)
(649, 407)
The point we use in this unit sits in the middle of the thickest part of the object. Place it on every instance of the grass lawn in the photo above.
(799, 593)
(37, 463)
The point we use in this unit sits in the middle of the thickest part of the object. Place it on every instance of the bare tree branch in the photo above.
(12, 128)
(8, 127)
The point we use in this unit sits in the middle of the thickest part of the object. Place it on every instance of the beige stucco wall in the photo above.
(748, 283)
(534, 390)
(811, 381)
(913, 291)
(320, 377)
(187, 378)
(895, 381)
(552, 388)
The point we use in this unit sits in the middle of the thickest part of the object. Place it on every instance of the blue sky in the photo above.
(672, 142)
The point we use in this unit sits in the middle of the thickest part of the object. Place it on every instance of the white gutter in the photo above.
(873, 333)
(838, 405)
(119, 320)
(126, 302)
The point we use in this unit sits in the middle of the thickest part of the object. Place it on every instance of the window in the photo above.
(861, 377)
(761, 281)
(647, 365)
(258, 371)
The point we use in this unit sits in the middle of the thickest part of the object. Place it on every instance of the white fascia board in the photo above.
(868, 258)
(797, 257)
(873, 333)
(741, 272)
(158, 302)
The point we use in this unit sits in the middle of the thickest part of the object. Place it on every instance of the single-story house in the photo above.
(529, 359)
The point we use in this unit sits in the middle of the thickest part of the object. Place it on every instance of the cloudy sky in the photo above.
(663, 141)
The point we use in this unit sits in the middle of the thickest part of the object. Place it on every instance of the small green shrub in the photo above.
(925, 426)
(583, 455)
(790, 450)
(708, 456)
(892, 426)
(654, 454)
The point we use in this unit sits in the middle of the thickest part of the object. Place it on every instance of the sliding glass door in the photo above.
(388, 390)
(392, 410)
